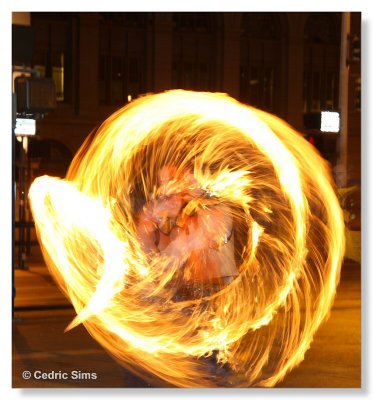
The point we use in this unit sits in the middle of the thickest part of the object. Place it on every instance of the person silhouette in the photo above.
(183, 221)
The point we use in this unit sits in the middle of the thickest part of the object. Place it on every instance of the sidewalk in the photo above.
(42, 314)
(35, 287)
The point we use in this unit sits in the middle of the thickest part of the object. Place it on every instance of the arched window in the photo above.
(122, 56)
(195, 50)
(261, 59)
(321, 61)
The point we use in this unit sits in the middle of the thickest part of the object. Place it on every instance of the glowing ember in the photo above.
(199, 240)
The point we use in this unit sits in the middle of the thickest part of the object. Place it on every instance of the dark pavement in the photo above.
(40, 344)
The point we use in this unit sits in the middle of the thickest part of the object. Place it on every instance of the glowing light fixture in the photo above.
(25, 127)
(330, 121)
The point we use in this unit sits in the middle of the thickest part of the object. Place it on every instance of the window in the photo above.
(195, 50)
(260, 59)
(122, 56)
(321, 62)
(53, 50)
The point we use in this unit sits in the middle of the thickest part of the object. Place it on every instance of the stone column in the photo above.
(88, 64)
(294, 100)
(231, 54)
(162, 60)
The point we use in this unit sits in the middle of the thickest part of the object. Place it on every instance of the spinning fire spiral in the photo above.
(199, 240)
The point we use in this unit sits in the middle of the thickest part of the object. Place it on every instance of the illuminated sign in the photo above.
(25, 126)
(330, 121)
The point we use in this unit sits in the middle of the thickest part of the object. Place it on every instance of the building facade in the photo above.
(285, 63)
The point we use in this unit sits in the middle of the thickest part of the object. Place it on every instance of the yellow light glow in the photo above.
(248, 184)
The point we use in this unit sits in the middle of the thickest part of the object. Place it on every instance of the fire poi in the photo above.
(199, 240)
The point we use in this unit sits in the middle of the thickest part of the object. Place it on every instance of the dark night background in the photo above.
(286, 63)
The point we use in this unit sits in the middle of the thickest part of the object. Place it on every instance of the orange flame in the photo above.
(199, 240)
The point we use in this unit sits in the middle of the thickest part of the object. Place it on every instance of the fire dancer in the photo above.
(123, 237)
(183, 221)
